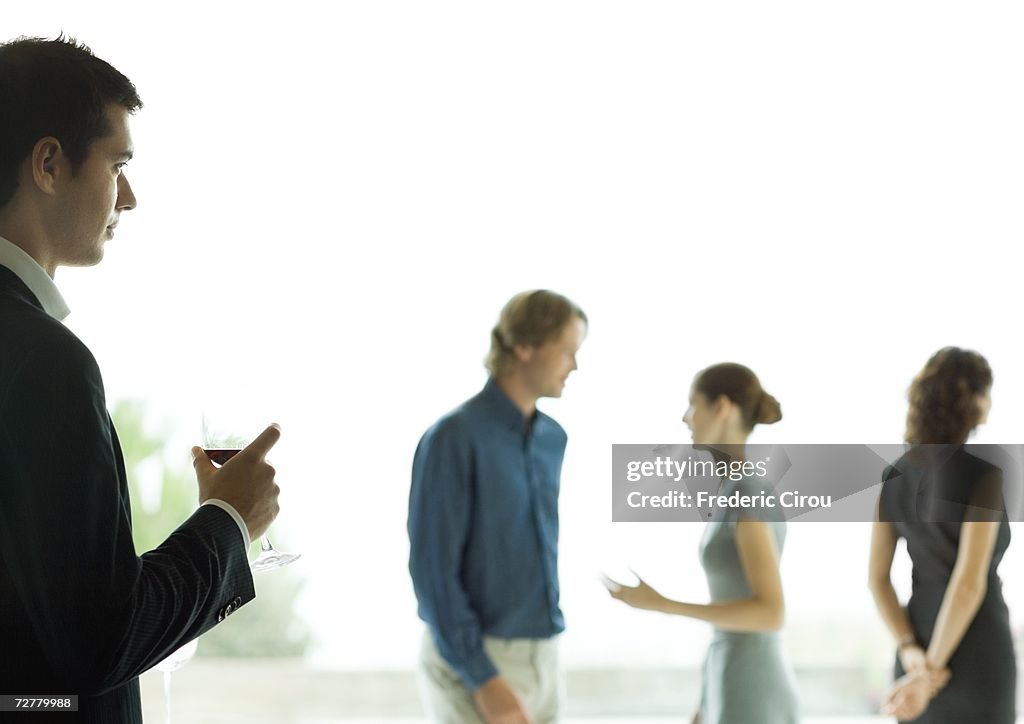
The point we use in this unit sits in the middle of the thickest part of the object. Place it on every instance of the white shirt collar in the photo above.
(35, 278)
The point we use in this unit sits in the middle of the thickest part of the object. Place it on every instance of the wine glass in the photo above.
(175, 661)
(222, 441)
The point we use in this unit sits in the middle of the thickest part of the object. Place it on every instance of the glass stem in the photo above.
(167, 695)
(265, 546)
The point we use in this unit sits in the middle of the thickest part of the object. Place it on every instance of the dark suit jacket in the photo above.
(80, 613)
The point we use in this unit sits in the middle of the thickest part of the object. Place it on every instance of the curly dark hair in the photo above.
(943, 405)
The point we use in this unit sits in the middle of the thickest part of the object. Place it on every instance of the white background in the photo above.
(335, 203)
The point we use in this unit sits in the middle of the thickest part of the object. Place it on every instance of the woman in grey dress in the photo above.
(746, 677)
(955, 661)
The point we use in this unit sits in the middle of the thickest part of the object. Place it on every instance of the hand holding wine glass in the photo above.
(245, 481)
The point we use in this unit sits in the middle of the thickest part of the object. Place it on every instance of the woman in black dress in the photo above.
(955, 660)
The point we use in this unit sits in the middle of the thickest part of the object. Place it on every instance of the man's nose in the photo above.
(125, 196)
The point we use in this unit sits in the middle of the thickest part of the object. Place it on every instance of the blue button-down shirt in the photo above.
(483, 529)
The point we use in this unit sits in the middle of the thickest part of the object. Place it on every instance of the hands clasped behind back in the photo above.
(246, 481)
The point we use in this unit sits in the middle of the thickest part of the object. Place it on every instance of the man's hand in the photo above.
(246, 482)
(498, 703)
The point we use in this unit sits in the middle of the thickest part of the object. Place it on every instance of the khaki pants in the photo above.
(529, 665)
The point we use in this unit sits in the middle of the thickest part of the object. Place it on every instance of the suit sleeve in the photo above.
(101, 614)
(440, 507)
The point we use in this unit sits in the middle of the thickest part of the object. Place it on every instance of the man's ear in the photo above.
(523, 352)
(48, 164)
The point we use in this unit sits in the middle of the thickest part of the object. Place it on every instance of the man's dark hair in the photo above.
(54, 88)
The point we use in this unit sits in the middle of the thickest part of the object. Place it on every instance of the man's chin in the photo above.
(91, 260)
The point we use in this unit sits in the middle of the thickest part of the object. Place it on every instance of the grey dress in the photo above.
(746, 677)
(926, 502)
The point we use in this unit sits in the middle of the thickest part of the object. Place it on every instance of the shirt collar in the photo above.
(35, 278)
(506, 411)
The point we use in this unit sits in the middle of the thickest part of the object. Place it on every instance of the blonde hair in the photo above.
(530, 319)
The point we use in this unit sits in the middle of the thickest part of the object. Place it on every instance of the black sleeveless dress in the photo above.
(926, 496)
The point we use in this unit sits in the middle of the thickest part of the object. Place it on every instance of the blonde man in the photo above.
(483, 527)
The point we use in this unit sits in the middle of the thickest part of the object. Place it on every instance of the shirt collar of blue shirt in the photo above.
(507, 412)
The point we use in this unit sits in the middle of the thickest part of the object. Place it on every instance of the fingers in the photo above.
(641, 584)
(612, 585)
(907, 699)
(893, 703)
(246, 481)
(201, 461)
(262, 444)
(617, 591)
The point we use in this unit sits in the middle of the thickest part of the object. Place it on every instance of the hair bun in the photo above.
(768, 410)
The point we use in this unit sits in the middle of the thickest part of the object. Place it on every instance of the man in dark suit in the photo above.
(80, 613)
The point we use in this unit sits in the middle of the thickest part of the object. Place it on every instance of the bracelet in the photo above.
(907, 640)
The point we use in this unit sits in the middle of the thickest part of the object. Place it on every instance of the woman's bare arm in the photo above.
(965, 590)
(883, 550)
(764, 610)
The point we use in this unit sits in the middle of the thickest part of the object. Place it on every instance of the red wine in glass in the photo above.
(221, 455)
